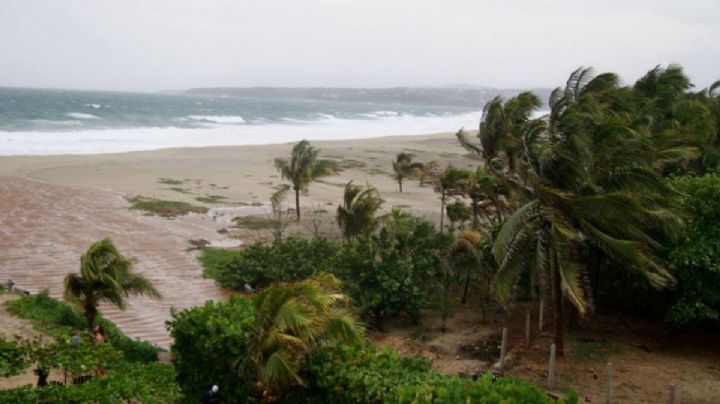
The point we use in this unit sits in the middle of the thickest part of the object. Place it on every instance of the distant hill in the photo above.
(454, 96)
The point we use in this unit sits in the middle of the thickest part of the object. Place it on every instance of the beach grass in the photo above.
(169, 181)
(253, 222)
(165, 208)
(210, 198)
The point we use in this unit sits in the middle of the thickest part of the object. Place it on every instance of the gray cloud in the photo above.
(170, 44)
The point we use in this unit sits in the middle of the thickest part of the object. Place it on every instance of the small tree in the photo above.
(280, 217)
(404, 167)
(356, 215)
(426, 170)
(105, 275)
(449, 183)
(457, 212)
(303, 168)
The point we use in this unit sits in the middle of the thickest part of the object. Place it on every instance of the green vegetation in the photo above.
(253, 222)
(303, 168)
(356, 215)
(165, 208)
(210, 198)
(404, 167)
(105, 276)
(59, 319)
(13, 358)
(170, 181)
(180, 190)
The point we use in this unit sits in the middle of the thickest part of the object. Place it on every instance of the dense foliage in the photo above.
(208, 341)
(349, 375)
(150, 383)
(696, 258)
(259, 264)
(13, 358)
(57, 318)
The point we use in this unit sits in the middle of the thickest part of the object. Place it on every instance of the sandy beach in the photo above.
(53, 207)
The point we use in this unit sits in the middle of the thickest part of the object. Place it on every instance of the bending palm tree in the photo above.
(594, 183)
(450, 182)
(404, 167)
(105, 275)
(356, 216)
(303, 168)
(290, 320)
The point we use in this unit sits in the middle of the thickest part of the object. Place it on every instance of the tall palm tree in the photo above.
(403, 167)
(105, 276)
(449, 183)
(466, 253)
(303, 168)
(290, 320)
(595, 184)
(356, 215)
(484, 191)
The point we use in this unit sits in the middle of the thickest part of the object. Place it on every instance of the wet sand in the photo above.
(46, 227)
(53, 207)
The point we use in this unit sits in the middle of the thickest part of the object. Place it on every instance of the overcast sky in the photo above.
(151, 45)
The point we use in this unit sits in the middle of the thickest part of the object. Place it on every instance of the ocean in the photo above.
(47, 122)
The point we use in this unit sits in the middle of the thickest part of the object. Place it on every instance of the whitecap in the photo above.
(95, 106)
(80, 115)
(225, 119)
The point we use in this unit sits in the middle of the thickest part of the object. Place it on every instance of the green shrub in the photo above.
(145, 383)
(262, 264)
(13, 358)
(207, 341)
(696, 258)
(389, 274)
(58, 318)
(348, 375)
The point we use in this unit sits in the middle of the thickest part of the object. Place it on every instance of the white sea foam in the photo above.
(95, 106)
(80, 115)
(224, 119)
(136, 139)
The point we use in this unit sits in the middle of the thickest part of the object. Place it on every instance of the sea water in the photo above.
(43, 122)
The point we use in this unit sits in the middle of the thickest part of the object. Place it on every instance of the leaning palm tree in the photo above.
(425, 171)
(291, 319)
(105, 276)
(595, 184)
(449, 183)
(303, 168)
(356, 215)
(403, 167)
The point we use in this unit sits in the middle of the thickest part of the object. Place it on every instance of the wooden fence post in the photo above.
(671, 399)
(503, 348)
(540, 316)
(551, 367)
(608, 388)
(527, 329)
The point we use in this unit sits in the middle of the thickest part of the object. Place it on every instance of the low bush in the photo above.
(262, 264)
(13, 358)
(58, 318)
(349, 375)
(145, 383)
(207, 341)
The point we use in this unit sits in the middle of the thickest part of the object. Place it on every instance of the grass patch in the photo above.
(165, 208)
(216, 260)
(584, 348)
(401, 206)
(378, 171)
(180, 190)
(253, 222)
(169, 181)
(449, 155)
(57, 318)
(332, 184)
(210, 198)
(347, 164)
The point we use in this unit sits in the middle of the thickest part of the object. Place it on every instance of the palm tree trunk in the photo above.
(90, 314)
(475, 209)
(400, 184)
(297, 203)
(557, 310)
(467, 282)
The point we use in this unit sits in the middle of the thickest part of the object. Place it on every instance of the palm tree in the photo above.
(105, 276)
(356, 215)
(291, 319)
(484, 191)
(404, 167)
(594, 183)
(303, 168)
(426, 170)
(449, 183)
